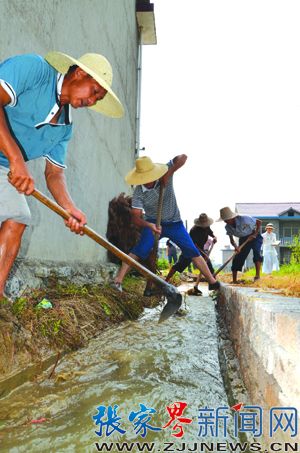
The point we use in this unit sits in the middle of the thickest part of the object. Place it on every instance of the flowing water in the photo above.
(135, 363)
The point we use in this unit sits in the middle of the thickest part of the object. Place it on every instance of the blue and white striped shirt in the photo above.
(147, 200)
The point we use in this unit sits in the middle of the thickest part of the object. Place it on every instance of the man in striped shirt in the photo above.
(148, 177)
(35, 98)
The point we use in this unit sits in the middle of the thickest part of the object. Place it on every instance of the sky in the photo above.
(222, 85)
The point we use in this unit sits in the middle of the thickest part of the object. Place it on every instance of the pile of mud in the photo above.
(30, 334)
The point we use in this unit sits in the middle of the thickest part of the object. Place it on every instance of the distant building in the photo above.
(227, 251)
(285, 218)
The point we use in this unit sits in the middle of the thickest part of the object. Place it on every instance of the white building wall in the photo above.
(102, 149)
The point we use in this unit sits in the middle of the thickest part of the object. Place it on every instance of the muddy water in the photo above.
(136, 363)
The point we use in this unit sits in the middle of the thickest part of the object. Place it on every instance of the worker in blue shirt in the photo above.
(36, 95)
(245, 228)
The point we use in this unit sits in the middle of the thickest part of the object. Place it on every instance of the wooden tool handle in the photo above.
(99, 239)
(230, 258)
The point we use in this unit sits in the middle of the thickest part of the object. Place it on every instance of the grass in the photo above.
(285, 269)
(287, 279)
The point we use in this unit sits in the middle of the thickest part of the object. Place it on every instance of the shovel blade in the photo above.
(173, 304)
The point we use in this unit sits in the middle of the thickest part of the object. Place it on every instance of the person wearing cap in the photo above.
(270, 259)
(147, 177)
(36, 94)
(200, 233)
(243, 227)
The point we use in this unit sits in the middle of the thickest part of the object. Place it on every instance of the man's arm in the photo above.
(256, 231)
(258, 225)
(178, 162)
(137, 219)
(56, 184)
(232, 242)
(19, 174)
(212, 235)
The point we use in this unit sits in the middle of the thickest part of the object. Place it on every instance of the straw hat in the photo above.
(226, 214)
(203, 221)
(97, 67)
(270, 225)
(145, 171)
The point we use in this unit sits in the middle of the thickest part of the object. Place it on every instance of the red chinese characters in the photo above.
(175, 412)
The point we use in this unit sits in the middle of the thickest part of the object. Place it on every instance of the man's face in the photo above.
(84, 91)
(150, 185)
(230, 221)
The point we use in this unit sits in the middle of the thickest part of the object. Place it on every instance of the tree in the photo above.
(295, 250)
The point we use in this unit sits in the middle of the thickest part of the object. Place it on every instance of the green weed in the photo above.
(19, 305)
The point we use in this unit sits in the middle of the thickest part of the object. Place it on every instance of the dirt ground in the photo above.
(29, 334)
(287, 285)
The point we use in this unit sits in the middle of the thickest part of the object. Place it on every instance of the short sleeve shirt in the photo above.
(200, 235)
(244, 225)
(33, 86)
(147, 200)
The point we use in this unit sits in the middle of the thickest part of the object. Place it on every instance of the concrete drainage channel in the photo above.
(188, 358)
(260, 336)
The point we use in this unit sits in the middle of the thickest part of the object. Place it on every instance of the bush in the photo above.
(162, 263)
(295, 249)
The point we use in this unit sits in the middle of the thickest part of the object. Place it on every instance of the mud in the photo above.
(29, 335)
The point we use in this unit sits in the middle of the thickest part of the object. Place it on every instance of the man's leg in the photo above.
(140, 251)
(171, 272)
(257, 256)
(239, 259)
(124, 269)
(257, 269)
(10, 240)
(234, 276)
(179, 266)
(178, 234)
(200, 263)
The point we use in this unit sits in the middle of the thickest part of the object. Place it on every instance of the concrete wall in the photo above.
(102, 149)
(265, 331)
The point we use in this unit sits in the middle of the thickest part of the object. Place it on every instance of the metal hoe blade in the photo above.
(174, 300)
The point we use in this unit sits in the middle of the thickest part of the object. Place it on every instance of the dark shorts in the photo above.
(174, 231)
(255, 245)
(184, 262)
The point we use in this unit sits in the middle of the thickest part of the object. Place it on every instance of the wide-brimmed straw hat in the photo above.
(203, 221)
(145, 171)
(226, 214)
(270, 225)
(98, 67)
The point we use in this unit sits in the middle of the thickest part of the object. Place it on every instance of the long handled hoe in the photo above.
(174, 298)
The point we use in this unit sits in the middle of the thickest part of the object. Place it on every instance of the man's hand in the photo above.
(215, 240)
(154, 228)
(178, 162)
(252, 236)
(20, 178)
(237, 249)
(77, 220)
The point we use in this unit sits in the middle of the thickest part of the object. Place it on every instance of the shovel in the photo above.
(174, 298)
(231, 257)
